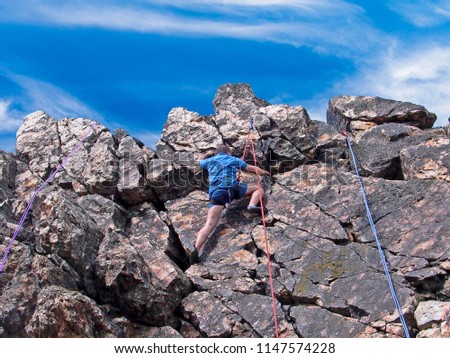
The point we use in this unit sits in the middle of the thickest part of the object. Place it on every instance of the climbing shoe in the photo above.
(194, 257)
(256, 209)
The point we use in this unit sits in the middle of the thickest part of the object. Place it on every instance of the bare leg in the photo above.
(252, 191)
(211, 222)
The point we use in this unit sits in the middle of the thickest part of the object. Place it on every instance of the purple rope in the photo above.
(33, 197)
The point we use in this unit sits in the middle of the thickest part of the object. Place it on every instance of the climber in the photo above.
(222, 168)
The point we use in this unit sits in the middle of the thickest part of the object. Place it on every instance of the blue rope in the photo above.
(380, 249)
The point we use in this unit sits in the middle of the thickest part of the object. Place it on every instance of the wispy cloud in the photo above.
(9, 118)
(423, 13)
(233, 6)
(323, 25)
(418, 75)
(40, 95)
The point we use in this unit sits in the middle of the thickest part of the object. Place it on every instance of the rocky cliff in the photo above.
(104, 251)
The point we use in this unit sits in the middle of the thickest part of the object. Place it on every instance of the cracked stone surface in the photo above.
(105, 249)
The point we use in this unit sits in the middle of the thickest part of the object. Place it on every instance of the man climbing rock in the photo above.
(224, 187)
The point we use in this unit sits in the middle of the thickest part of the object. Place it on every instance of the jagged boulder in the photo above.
(433, 319)
(360, 113)
(43, 142)
(105, 212)
(427, 160)
(64, 228)
(24, 276)
(134, 275)
(38, 143)
(67, 314)
(181, 127)
(133, 186)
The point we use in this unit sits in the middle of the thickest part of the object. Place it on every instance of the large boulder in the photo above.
(359, 113)
(181, 127)
(135, 276)
(38, 144)
(94, 167)
(133, 186)
(64, 228)
(427, 160)
(238, 99)
(67, 314)
(43, 143)
(24, 276)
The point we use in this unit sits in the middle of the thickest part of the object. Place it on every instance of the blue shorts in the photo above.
(221, 196)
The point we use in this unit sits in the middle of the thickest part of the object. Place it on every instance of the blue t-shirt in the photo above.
(222, 169)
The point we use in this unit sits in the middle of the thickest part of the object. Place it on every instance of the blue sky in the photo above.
(127, 63)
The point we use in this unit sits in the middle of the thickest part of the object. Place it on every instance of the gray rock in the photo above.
(392, 138)
(181, 127)
(43, 143)
(238, 99)
(19, 291)
(64, 228)
(315, 322)
(297, 210)
(38, 144)
(8, 168)
(141, 280)
(145, 221)
(427, 160)
(105, 212)
(133, 186)
(66, 314)
(25, 275)
(94, 168)
(359, 113)
(329, 146)
(171, 180)
(225, 278)
(211, 317)
(430, 313)
(257, 310)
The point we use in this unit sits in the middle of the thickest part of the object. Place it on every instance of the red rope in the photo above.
(266, 240)
(239, 177)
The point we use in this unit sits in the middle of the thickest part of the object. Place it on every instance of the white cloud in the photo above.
(336, 27)
(9, 119)
(420, 76)
(233, 6)
(40, 95)
(423, 13)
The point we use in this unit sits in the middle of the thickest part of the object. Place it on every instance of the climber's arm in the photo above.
(204, 156)
(255, 170)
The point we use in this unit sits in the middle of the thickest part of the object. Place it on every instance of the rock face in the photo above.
(104, 251)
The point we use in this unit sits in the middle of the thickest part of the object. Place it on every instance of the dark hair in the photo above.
(222, 149)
